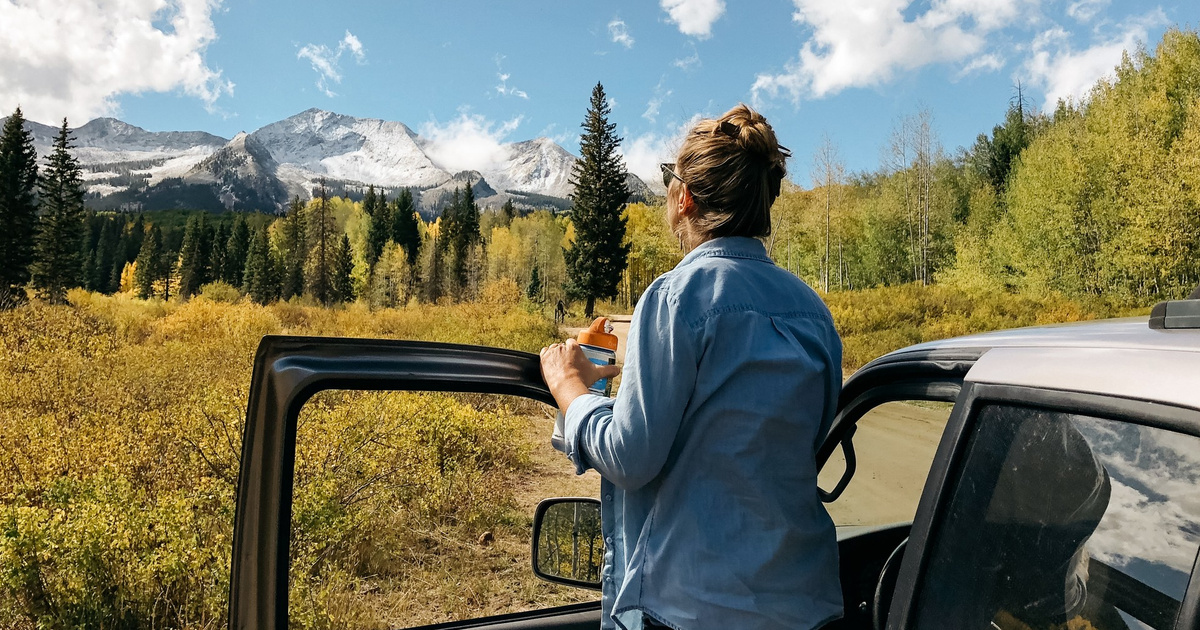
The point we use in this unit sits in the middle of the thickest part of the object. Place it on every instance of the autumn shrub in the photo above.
(120, 433)
(873, 322)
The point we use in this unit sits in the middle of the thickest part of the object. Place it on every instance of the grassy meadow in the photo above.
(120, 430)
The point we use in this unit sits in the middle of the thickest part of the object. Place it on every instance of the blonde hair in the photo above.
(733, 166)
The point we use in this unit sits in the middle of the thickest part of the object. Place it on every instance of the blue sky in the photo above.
(472, 73)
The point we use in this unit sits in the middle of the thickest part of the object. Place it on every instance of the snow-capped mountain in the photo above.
(316, 143)
(536, 166)
(128, 167)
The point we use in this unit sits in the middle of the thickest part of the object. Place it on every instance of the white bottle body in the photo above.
(602, 387)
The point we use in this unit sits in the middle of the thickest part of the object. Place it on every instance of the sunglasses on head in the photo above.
(668, 173)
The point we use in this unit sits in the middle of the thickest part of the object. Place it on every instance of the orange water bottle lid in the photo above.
(597, 336)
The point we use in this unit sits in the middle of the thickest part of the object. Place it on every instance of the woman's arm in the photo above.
(627, 441)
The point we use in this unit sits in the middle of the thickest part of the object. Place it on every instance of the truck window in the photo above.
(415, 508)
(1060, 520)
(894, 444)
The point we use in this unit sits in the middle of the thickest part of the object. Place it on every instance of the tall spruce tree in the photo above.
(107, 244)
(220, 241)
(599, 255)
(150, 266)
(508, 212)
(193, 257)
(343, 266)
(405, 231)
(434, 272)
(18, 208)
(322, 248)
(261, 275)
(295, 244)
(58, 248)
(378, 224)
(464, 239)
(236, 249)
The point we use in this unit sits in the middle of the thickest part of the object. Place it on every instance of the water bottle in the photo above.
(600, 347)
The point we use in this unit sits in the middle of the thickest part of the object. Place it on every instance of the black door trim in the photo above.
(287, 372)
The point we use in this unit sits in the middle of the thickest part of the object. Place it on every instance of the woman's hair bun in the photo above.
(752, 132)
(734, 167)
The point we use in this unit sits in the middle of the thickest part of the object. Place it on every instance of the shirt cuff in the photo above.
(579, 413)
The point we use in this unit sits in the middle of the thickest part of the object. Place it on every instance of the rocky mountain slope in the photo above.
(126, 167)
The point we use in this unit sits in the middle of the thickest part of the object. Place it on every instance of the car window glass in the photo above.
(416, 508)
(1065, 521)
(894, 444)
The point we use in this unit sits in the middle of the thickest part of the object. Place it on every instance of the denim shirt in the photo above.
(709, 501)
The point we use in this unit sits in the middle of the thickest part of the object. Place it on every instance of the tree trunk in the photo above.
(589, 308)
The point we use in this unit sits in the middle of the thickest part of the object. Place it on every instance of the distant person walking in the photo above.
(560, 312)
(707, 455)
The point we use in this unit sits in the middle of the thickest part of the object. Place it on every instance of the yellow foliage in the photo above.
(120, 429)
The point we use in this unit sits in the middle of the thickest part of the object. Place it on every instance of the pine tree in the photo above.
(120, 258)
(598, 257)
(106, 255)
(261, 276)
(405, 231)
(322, 248)
(433, 267)
(534, 290)
(92, 226)
(295, 243)
(343, 265)
(236, 249)
(18, 208)
(149, 269)
(220, 241)
(465, 237)
(193, 257)
(379, 222)
(58, 258)
(508, 212)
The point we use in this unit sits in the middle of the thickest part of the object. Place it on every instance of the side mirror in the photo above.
(846, 464)
(568, 544)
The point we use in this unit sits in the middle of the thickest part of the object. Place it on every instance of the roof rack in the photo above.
(1177, 314)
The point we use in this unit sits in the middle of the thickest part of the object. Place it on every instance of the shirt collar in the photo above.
(728, 247)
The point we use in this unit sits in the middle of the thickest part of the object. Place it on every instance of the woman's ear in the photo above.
(686, 203)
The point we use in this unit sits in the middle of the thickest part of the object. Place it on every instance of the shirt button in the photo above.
(608, 497)
(608, 540)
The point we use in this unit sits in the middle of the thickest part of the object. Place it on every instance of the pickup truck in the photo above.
(1060, 490)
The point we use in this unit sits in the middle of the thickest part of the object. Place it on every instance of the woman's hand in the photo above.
(569, 373)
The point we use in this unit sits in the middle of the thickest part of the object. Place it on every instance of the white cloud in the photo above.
(653, 107)
(612, 103)
(64, 58)
(469, 142)
(325, 61)
(694, 17)
(856, 43)
(1085, 10)
(644, 153)
(990, 62)
(1065, 74)
(689, 63)
(503, 88)
(620, 33)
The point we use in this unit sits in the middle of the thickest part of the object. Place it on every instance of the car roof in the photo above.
(1115, 357)
(1124, 333)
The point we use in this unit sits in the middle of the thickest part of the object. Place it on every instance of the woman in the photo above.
(710, 509)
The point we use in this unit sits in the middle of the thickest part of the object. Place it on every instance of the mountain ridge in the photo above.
(129, 168)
